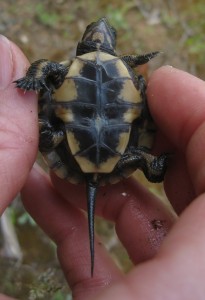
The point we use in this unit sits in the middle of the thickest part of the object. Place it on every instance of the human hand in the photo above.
(18, 124)
(176, 271)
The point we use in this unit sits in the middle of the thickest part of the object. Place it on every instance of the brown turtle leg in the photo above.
(135, 60)
(43, 75)
(49, 137)
(153, 167)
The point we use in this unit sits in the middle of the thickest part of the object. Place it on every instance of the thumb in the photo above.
(18, 124)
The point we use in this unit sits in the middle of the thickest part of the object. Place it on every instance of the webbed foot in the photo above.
(49, 138)
(153, 167)
(43, 75)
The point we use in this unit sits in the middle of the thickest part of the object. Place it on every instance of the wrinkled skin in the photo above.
(170, 268)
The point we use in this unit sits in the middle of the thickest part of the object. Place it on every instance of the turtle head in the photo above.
(98, 35)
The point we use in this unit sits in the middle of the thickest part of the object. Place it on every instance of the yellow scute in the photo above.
(67, 92)
(76, 67)
(129, 92)
(121, 69)
(123, 141)
(73, 143)
(131, 114)
(88, 167)
(65, 114)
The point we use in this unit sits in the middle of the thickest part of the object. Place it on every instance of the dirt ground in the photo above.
(51, 29)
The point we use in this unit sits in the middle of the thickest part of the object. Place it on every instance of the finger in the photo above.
(67, 226)
(177, 272)
(178, 108)
(196, 158)
(4, 297)
(18, 124)
(178, 185)
(177, 105)
(141, 219)
(142, 223)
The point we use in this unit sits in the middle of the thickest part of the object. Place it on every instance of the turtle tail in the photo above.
(91, 196)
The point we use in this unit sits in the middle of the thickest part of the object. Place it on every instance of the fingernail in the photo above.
(6, 62)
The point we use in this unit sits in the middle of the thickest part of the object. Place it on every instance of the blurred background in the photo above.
(49, 29)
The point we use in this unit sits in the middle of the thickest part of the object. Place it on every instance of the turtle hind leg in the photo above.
(153, 167)
(43, 75)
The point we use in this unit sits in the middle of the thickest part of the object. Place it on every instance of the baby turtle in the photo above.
(94, 123)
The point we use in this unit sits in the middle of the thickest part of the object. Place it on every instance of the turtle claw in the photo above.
(30, 83)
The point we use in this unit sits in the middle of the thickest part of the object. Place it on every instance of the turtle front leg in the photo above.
(135, 60)
(49, 137)
(43, 75)
(153, 167)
